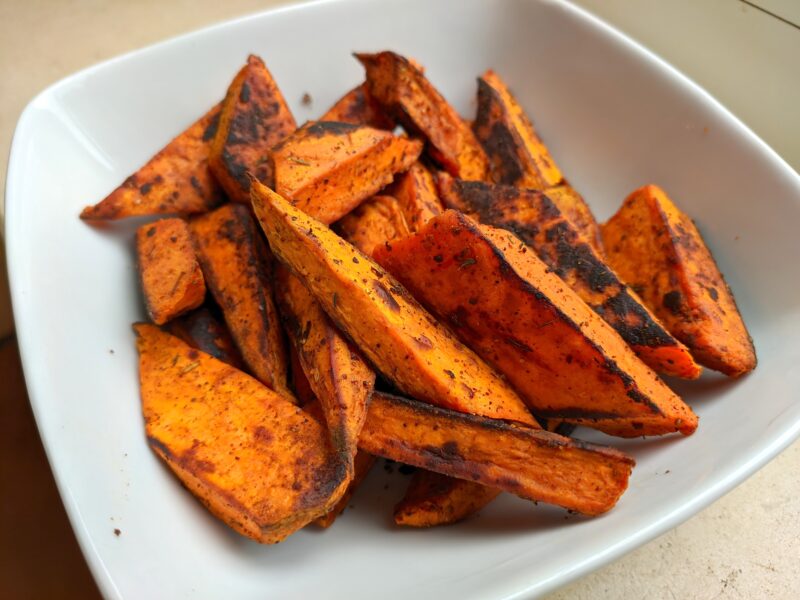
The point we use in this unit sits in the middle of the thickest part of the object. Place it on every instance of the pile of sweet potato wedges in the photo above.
(392, 280)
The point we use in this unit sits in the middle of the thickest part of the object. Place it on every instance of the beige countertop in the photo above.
(745, 53)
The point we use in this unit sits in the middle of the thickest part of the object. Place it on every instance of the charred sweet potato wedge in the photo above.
(327, 168)
(177, 180)
(172, 281)
(658, 250)
(362, 466)
(202, 329)
(236, 265)
(335, 370)
(538, 222)
(415, 191)
(508, 306)
(254, 118)
(357, 107)
(395, 334)
(435, 499)
(516, 154)
(574, 207)
(407, 95)
(531, 463)
(252, 457)
(373, 223)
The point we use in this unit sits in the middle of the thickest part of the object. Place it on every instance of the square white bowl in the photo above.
(614, 116)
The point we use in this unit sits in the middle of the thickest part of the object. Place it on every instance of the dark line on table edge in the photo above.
(771, 14)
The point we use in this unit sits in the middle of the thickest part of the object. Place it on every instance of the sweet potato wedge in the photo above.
(509, 307)
(202, 329)
(658, 250)
(574, 207)
(253, 458)
(537, 221)
(236, 265)
(516, 154)
(435, 499)
(254, 118)
(396, 335)
(415, 191)
(407, 95)
(300, 384)
(373, 223)
(357, 107)
(531, 463)
(327, 168)
(362, 466)
(172, 281)
(338, 376)
(177, 180)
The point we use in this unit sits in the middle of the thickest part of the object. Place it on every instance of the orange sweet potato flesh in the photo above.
(538, 222)
(407, 95)
(357, 107)
(334, 369)
(202, 329)
(574, 207)
(529, 462)
(177, 180)
(172, 281)
(516, 154)
(254, 118)
(508, 306)
(236, 265)
(394, 333)
(415, 191)
(373, 223)
(435, 499)
(328, 168)
(658, 250)
(362, 466)
(257, 461)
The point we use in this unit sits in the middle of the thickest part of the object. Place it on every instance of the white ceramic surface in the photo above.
(614, 116)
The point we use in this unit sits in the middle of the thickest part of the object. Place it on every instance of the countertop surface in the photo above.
(746, 54)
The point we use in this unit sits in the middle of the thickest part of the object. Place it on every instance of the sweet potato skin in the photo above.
(177, 180)
(328, 168)
(537, 221)
(435, 499)
(415, 192)
(254, 118)
(574, 207)
(660, 253)
(335, 370)
(362, 466)
(172, 281)
(236, 265)
(516, 154)
(373, 223)
(406, 94)
(528, 462)
(357, 107)
(201, 329)
(395, 334)
(565, 361)
(253, 458)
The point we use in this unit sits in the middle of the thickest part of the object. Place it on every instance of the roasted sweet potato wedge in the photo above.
(658, 250)
(172, 281)
(373, 223)
(362, 466)
(407, 95)
(357, 107)
(516, 154)
(538, 222)
(236, 265)
(254, 118)
(300, 385)
(327, 168)
(335, 370)
(396, 335)
(252, 457)
(435, 499)
(202, 329)
(415, 191)
(528, 462)
(574, 207)
(508, 306)
(177, 180)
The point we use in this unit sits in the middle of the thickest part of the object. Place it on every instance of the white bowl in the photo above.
(614, 116)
